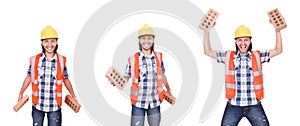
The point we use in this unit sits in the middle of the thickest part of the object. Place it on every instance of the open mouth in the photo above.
(243, 48)
(50, 48)
(147, 45)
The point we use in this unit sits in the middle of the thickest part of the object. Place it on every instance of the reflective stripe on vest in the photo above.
(34, 61)
(230, 84)
(135, 73)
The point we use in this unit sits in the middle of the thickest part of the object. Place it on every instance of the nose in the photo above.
(243, 42)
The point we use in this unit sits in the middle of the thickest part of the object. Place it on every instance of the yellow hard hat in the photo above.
(242, 31)
(146, 30)
(48, 32)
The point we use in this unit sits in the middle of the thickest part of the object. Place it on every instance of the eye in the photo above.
(247, 40)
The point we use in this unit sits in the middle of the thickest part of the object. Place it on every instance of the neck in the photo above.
(49, 55)
(243, 53)
(147, 53)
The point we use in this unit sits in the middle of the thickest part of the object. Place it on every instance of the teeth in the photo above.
(147, 44)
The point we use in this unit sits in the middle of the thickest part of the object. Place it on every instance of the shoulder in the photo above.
(158, 53)
(131, 57)
(222, 53)
(37, 55)
(64, 57)
(262, 51)
(134, 54)
(229, 51)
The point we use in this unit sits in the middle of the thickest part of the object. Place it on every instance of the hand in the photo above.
(111, 82)
(74, 97)
(169, 91)
(20, 97)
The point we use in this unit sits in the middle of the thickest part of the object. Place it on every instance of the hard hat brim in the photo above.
(146, 35)
(243, 36)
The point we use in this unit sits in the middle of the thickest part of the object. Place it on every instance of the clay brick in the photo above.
(209, 19)
(276, 19)
(169, 98)
(72, 103)
(21, 103)
(116, 78)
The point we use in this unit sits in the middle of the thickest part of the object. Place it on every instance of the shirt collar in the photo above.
(143, 55)
(43, 56)
(238, 56)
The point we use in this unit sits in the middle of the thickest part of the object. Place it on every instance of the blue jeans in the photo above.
(254, 113)
(138, 116)
(54, 118)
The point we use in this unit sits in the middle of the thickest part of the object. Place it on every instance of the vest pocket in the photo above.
(143, 70)
(41, 71)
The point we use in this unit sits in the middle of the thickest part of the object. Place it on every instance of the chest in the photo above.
(47, 68)
(147, 66)
(242, 64)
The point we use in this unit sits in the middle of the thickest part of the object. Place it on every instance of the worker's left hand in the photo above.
(20, 97)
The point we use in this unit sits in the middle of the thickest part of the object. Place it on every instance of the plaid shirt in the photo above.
(47, 84)
(147, 87)
(245, 94)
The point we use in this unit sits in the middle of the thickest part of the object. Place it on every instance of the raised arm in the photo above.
(206, 45)
(278, 46)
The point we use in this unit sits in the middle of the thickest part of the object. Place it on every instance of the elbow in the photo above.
(275, 52)
(206, 52)
(279, 51)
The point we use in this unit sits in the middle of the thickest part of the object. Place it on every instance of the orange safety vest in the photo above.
(135, 73)
(34, 61)
(230, 84)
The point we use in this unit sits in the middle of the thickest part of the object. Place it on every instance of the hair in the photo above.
(145, 35)
(44, 39)
(237, 48)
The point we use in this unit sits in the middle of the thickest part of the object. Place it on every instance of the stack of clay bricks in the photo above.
(209, 19)
(116, 78)
(276, 19)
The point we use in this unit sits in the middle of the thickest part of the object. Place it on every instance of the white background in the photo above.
(22, 21)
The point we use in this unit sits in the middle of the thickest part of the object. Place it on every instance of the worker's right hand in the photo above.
(111, 82)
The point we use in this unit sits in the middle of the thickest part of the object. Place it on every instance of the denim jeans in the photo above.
(54, 118)
(138, 116)
(254, 113)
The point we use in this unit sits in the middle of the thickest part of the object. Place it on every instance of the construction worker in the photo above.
(47, 72)
(243, 77)
(146, 69)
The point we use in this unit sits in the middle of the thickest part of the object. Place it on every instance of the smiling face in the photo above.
(146, 42)
(49, 45)
(243, 44)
